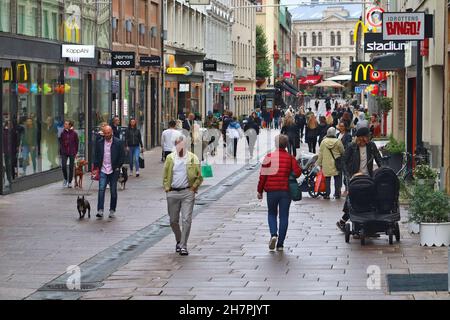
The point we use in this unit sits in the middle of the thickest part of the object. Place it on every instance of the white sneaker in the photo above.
(273, 242)
(65, 183)
(112, 214)
(69, 185)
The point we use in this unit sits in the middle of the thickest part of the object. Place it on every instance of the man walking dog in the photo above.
(109, 158)
(182, 178)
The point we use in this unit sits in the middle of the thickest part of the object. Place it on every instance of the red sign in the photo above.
(240, 89)
(405, 26)
(225, 89)
(287, 75)
(425, 47)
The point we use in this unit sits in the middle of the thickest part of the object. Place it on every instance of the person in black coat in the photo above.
(358, 159)
(133, 139)
(300, 121)
(290, 129)
(251, 129)
(311, 133)
(323, 128)
(108, 158)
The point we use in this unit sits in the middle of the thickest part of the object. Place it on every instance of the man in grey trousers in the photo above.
(182, 178)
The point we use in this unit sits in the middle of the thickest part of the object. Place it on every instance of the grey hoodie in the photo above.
(362, 122)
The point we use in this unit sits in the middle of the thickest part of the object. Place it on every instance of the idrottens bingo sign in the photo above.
(403, 26)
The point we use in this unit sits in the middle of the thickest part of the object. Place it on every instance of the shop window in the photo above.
(103, 25)
(141, 34)
(27, 15)
(5, 14)
(51, 17)
(72, 21)
(102, 94)
(73, 109)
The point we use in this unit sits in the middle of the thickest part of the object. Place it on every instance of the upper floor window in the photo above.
(352, 38)
(339, 38)
(142, 34)
(5, 14)
(115, 29)
(51, 19)
(128, 31)
(299, 39)
(314, 39)
(332, 39)
(320, 39)
(72, 21)
(27, 17)
(305, 38)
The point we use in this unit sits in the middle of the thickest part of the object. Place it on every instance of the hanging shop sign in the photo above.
(177, 70)
(425, 48)
(209, 65)
(104, 58)
(240, 89)
(373, 42)
(375, 17)
(152, 61)
(405, 26)
(365, 29)
(365, 73)
(77, 51)
(121, 60)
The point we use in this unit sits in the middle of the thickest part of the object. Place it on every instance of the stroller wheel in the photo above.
(347, 233)
(363, 240)
(391, 236)
(397, 232)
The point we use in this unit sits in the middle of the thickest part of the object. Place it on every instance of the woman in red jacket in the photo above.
(275, 171)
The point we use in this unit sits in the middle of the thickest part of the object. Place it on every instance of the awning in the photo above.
(310, 80)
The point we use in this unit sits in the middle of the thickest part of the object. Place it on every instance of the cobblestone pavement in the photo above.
(40, 234)
(229, 258)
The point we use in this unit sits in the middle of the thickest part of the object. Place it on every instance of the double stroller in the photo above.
(373, 206)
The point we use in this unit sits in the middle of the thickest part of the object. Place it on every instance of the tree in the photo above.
(262, 61)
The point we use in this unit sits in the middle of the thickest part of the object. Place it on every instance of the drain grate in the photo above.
(64, 287)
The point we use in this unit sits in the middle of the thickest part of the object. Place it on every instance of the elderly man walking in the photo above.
(182, 178)
(109, 158)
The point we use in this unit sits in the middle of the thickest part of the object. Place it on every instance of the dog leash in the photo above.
(89, 189)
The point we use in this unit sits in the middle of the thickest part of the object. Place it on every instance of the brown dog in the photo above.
(79, 173)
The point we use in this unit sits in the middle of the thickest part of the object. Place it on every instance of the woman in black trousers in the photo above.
(312, 132)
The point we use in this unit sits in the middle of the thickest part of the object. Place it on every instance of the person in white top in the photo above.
(168, 139)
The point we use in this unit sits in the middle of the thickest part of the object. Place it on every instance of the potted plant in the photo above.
(425, 175)
(394, 150)
(385, 104)
(431, 210)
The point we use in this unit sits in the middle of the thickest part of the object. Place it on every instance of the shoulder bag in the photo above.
(294, 188)
(337, 161)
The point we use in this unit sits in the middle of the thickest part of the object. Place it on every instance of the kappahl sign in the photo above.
(78, 51)
(409, 26)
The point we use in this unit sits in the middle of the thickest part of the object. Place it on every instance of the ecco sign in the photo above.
(78, 51)
(373, 42)
(121, 60)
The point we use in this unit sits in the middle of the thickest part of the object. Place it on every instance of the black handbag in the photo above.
(141, 162)
(337, 161)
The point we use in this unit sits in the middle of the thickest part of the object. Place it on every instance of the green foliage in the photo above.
(384, 103)
(429, 206)
(263, 69)
(394, 146)
(425, 172)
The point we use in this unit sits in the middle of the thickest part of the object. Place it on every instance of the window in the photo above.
(72, 21)
(128, 30)
(115, 29)
(51, 16)
(5, 20)
(339, 39)
(305, 62)
(142, 34)
(27, 15)
(333, 39)
(305, 38)
(299, 39)
(314, 39)
(352, 40)
(320, 39)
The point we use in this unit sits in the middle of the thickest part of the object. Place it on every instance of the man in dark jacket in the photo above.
(251, 129)
(68, 146)
(358, 159)
(109, 158)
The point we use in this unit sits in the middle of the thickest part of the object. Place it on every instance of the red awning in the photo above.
(310, 80)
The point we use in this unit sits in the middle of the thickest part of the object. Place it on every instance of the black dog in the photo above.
(83, 205)
(123, 177)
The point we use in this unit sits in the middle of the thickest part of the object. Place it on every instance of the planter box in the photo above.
(413, 228)
(435, 234)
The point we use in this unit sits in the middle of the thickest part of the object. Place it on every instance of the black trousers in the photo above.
(337, 185)
(71, 166)
(312, 143)
(235, 142)
(291, 148)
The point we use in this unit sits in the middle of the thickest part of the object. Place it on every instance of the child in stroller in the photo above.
(373, 205)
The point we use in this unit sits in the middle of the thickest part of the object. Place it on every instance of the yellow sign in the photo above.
(364, 27)
(368, 76)
(177, 70)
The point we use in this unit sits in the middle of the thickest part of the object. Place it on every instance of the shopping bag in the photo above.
(207, 171)
(141, 162)
(320, 184)
(95, 173)
(294, 188)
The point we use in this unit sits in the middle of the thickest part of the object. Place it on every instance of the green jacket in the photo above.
(194, 171)
(326, 160)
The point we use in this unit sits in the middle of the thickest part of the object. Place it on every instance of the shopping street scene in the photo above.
(251, 150)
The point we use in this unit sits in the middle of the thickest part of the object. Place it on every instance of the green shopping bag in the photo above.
(207, 171)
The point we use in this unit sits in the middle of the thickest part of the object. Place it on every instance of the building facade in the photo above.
(136, 90)
(244, 56)
(324, 32)
(40, 89)
(184, 47)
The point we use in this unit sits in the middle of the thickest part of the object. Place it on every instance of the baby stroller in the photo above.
(374, 206)
(307, 162)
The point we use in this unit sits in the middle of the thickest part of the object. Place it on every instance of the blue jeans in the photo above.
(134, 157)
(279, 200)
(105, 179)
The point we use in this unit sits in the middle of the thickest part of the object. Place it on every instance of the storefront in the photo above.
(38, 93)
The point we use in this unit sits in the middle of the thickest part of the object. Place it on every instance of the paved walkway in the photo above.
(40, 234)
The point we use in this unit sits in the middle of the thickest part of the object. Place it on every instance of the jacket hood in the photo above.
(362, 116)
(330, 142)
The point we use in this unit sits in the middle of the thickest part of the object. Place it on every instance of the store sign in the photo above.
(373, 42)
(104, 58)
(152, 61)
(375, 17)
(225, 89)
(122, 60)
(425, 48)
(405, 26)
(365, 73)
(77, 51)
(358, 90)
(209, 65)
(184, 87)
(240, 89)
(177, 70)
